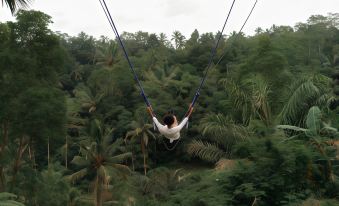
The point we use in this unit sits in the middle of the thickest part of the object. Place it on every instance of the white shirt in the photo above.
(170, 133)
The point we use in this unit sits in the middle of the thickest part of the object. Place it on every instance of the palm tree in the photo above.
(143, 134)
(220, 134)
(88, 101)
(164, 78)
(318, 134)
(179, 40)
(164, 83)
(105, 51)
(99, 159)
(14, 5)
(305, 93)
(163, 40)
(251, 98)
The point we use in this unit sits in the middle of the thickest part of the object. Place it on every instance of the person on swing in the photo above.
(171, 129)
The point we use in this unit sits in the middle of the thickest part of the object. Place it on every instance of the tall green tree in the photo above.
(178, 39)
(100, 160)
(143, 133)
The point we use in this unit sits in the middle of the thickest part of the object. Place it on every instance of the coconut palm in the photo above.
(88, 101)
(179, 40)
(105, 51)
(14, 5)
(74, 120)
(167, 79)
(142, 133)
(99, 159)
(163, 40)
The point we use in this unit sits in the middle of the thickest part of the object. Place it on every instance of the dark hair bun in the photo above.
(168, 120)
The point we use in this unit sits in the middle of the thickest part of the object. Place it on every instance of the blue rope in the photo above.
(214, 51)
(239, 32)
(115, 30)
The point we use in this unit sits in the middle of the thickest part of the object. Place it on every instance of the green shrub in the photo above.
(277, 173)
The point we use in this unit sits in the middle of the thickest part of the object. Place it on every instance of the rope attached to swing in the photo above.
(213, 53)
(197, 93)
(238, 34)
(115, 30)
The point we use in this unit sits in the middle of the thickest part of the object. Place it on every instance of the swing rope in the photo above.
(197, 93)
(115, 30)
(210, 62)
(238, 34)
(213, 53)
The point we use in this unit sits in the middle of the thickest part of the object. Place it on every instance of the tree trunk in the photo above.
(145, 168)
(2, 179)
(18, 159)
(66, 160)
(48, 153)
(2, 150)
(4, 136)
(98, 192)
(133, 162)
(328, 170)
(143, 150)
(319, 51)
(5, 126)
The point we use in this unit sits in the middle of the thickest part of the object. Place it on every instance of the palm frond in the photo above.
(73, 118)
(118, 158)
(77, 175)
(324, 100)
(206, 151)
(260, 97)
(80, 161)
(250, 96)
(88, 150)
(304, 95)
(133, 134)
(88, 198)
(103, 174)
(222, 130)
(121, 169)
(10, 203)
(237, 92)
(14, 5)
(313, 120)
(83, 93)
(6, 195)
(117, 146)
(290, 127)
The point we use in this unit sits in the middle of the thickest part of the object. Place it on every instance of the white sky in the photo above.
(155, 16)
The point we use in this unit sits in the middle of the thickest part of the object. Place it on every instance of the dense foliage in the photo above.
(75, 131)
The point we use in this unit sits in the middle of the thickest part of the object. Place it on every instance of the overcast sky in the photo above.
(74, 16)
